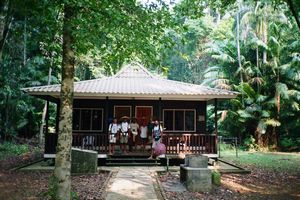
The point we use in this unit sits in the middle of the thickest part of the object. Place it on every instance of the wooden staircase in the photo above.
(131, 160)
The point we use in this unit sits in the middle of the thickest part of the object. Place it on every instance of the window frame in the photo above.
(91, 121)
(184, 110)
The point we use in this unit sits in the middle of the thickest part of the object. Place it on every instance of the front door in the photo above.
(120, 111)
(143, 112)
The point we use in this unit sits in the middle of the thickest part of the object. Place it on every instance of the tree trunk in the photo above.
(294, 12)
(258, 138)
(25, 42)
(6, 124)
(41, 135)
(63, 151)
(5, 22)
(258, 67)
(218, 17)
(238, 45)
(265, 38)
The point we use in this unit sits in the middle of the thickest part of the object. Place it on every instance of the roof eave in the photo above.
(136, 96)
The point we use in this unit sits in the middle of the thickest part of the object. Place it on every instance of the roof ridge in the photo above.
(131, 65)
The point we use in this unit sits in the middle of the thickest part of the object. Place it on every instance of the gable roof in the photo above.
(134, 81)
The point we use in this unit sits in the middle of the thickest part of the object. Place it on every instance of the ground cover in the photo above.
(273, 176)
(16, 184)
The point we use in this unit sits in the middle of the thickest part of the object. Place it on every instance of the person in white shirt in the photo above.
(144, 134)
(156, 135)
(113, 130)
(134, 127)
(124, 130)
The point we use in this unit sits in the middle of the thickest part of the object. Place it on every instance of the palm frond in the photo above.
(282, 90)
(273, 122)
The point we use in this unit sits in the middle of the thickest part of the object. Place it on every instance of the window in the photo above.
(179, 119)
(87, 119)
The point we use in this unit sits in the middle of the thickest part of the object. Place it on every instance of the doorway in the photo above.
(143, 112)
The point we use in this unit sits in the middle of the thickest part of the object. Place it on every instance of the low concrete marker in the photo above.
(195, 175)
(84, 161)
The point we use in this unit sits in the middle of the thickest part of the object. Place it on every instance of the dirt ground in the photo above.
(17, 185)
(259, 185)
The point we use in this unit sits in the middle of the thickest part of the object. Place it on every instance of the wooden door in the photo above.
(120, 111)
(143, 113)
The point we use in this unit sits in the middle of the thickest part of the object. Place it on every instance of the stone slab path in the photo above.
(132, 183)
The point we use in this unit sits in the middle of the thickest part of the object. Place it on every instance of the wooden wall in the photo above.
(108, 108)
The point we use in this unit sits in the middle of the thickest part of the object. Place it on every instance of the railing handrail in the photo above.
(188, 134)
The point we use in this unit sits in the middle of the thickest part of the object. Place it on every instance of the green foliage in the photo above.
(250, 144)
(290, 144)
(216, 178)
(268, 78)
(8, 149)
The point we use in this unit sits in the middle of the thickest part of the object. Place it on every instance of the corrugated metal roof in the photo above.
(135, 81)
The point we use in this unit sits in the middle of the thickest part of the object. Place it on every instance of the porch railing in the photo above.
(190, 143)
(175, 143)
(95, 142)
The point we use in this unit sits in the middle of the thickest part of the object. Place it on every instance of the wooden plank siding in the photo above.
(196, 141)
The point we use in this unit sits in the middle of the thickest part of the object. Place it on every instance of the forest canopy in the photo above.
(247, 46)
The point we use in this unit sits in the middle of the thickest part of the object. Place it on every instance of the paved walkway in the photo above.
(132, 183)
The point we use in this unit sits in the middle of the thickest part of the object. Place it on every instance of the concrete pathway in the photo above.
(132, 183)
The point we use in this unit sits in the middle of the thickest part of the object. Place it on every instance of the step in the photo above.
(132, 159)
(129, 156)
(132, 164)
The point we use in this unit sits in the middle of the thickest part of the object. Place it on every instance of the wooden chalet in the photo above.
(134, 91)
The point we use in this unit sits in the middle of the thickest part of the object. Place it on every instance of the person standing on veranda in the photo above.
(150, 126)
(144, 134)
(113, 130)
(124, 133)
(156, 135)
(134, 127)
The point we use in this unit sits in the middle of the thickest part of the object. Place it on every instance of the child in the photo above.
(113, 131)
(144, 134)
(134, 127)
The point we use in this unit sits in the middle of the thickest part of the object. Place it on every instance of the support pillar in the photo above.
(106, 124)
(160, 109)
(216, 124)
(105, 128)
(47, 118)
(46, 125)
(133, 111)
(57, 117)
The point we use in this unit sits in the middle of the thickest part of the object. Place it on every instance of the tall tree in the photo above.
(62, 170)
(120, 30)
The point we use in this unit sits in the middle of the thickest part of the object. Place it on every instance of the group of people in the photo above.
(127, 132)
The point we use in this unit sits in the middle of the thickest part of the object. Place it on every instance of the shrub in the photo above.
(249, 144)
(289, 144)
(9, 149)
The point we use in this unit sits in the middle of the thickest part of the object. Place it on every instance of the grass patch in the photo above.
(8, 149)
(272, 161)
